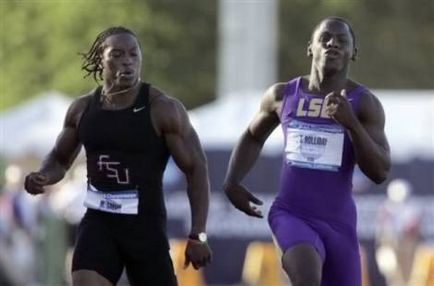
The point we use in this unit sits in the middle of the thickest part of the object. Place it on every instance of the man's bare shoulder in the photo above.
(168, 114)
(83, 100)
(370, 106)
(162, 102)
(369, 99)
(366, 96)
(273, 97)
(78, 107)
(276, 91)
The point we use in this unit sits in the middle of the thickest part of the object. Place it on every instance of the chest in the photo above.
(108, 130)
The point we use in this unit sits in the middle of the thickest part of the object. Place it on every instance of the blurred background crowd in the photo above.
(217, 57)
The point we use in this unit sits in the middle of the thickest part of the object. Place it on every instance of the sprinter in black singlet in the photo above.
(128, 129)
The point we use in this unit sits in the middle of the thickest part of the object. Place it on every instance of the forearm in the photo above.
(198, 195)
(243, 158)
(53, 168)
(373, 159)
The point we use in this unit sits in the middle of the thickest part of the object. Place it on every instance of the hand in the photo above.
(241, 199)
(197, 253)
(35, 182)
(338, 107)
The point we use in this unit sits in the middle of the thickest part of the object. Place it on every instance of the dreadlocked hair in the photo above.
(92, 59)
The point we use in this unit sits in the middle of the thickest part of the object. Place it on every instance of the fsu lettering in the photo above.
(112, 170)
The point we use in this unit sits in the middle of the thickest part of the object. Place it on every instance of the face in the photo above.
(121, 60)
(332, 46)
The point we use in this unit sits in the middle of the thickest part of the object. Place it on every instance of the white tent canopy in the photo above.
(32, 127)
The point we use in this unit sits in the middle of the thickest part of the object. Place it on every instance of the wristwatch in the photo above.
(201, 237)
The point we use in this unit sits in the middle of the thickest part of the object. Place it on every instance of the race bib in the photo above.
(123, 202)
(314, 146)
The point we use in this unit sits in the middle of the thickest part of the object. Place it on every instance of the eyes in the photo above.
(325, 37)
(119, 53)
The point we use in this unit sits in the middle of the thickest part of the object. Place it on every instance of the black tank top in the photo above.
(124, 152)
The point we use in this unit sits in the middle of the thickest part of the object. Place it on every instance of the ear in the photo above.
(309, 49)
(354, 56)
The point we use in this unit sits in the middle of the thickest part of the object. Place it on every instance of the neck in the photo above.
(111, 89)
(118, 97)
(326, 82)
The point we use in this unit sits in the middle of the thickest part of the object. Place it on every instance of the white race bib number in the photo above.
(123, 202)
(314, 146)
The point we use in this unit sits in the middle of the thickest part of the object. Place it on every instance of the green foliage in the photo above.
(40, 41)
(394, 39)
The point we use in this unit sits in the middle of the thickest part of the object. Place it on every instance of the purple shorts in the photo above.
(337, 244)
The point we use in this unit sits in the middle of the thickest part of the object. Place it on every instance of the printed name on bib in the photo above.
(314, 146)
(123, 202)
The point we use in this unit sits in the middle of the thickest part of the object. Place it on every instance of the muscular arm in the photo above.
(173, 123)
(366, 130)
(248, 149)
(369, 140)
(64, 152)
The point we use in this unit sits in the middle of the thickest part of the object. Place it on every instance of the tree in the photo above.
(394, 39)
(41, 41)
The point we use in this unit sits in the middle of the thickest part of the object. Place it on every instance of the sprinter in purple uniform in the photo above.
(330, 123)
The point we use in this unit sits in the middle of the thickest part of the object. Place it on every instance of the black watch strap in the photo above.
(200, 237)
(194, 236)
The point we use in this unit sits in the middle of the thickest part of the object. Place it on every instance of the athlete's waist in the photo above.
(127, 201)
(344, 215)
(314, 195)
(295, 180)
(141, 185)
(321, 196)
(146, 218)
(123, 192)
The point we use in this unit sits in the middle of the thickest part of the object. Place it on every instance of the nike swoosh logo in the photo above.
(138, 109)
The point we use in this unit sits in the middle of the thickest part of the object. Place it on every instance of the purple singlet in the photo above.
(314, 204)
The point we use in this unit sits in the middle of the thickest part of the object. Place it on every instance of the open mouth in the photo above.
(332, 54)
(127, 73)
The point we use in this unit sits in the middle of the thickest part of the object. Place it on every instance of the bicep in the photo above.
(262, 125)
(67, 145)
(267, 119)
(182, 140)
(185, 149)
(373, 119)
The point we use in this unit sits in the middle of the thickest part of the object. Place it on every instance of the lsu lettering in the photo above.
(316, 108)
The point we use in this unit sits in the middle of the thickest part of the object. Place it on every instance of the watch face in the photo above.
(202, 237)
